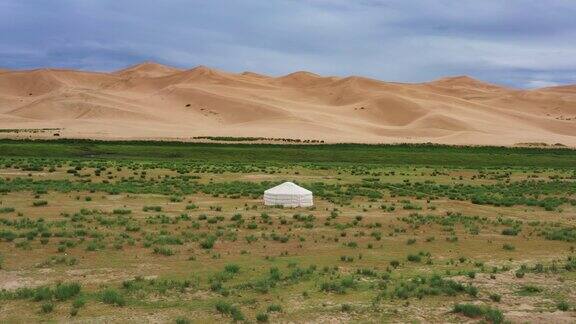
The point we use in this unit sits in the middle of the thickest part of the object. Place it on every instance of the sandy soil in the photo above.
(152, 101)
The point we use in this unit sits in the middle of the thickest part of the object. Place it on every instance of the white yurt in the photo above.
(288, 194)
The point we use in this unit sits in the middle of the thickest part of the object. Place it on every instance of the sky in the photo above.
(518, 43)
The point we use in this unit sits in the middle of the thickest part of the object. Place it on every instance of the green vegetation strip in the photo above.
(416, 154)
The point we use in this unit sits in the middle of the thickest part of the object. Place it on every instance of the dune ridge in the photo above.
(154, 101)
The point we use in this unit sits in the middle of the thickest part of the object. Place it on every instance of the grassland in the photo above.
(172, 232)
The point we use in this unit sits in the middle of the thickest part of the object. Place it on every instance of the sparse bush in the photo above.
(65, 291)
(39, 203)
(563, 306)
(208, 243)
(47, 307)
(346, 308)
(492, 315)
(495, 297)
(274, 308)
(121, 211)
(163, 250)
(112, 297)
(262, 317)
(228, 309)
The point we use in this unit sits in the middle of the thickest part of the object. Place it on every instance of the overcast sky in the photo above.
(521, 43)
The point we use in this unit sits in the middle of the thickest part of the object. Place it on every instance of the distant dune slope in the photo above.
(154, 101)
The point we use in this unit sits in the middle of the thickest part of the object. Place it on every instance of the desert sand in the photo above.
(153, 101)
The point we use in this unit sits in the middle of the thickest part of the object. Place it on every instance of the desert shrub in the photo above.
(65, 291)
(513, 231)
(492, 315)
(38, 203)
(567, 234)
(47, 308)
(508, 247)
(414, 258)
(346, 308)
(225, 308)
(529, 289)
(262, 317)
(168, 239)
(152, 208)
(182, 320)
(339, 286)
(430, 286)
(232, 268)
(563, 306)
(250, 238)
(132, 227)
(95, 245)
(208, 242)
(79, 303)
(43, 293)
(495, 297)
(163, 250)
(274, 308)
(112, 297)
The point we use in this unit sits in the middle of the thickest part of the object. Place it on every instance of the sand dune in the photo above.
(146, 70)
(153, 101)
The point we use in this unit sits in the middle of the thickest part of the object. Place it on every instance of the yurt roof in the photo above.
(288, 188)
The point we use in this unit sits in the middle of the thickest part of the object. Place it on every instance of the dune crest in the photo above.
(147, 69)
(155, 101)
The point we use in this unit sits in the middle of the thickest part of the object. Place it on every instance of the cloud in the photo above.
(511, 42)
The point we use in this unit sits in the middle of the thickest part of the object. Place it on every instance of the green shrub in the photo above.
(274, 308)
(152, 208)
(563, 306)
(346, 308)
(112, 297)
(208, 243)
(65, 291)
(163, 250)
(338, 287)
(510, 231)
(182, 320)
(39, 203)
(232, 268)
(529, 289)
(43, 293)
(492, 315)
(47, 308)
(413, 258)
(508, 247)
(262, 317)
(227, 309)
(79, 303)
(495, 297)
(121, 211)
